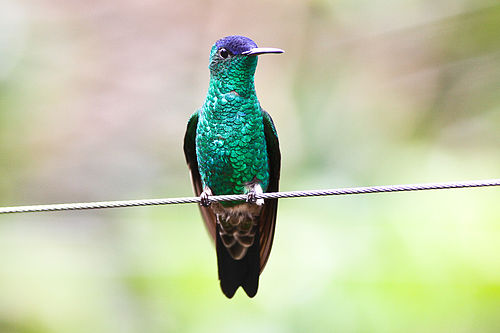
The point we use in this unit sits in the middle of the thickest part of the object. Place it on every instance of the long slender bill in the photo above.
(262, 50)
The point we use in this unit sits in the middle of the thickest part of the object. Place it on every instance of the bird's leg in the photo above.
(204, 200)
(252, 195)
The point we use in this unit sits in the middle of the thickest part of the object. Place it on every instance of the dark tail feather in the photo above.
(234, 273)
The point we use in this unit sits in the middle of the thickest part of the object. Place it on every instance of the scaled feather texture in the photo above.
(231, 147)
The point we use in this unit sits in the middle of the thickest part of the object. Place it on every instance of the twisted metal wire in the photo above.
(237, 197)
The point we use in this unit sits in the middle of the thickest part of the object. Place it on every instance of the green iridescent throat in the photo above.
(230, 142)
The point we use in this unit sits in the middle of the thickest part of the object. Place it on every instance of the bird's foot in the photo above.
(252, 195)
(204, 197)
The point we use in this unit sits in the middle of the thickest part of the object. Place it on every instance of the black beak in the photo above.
(262, 50)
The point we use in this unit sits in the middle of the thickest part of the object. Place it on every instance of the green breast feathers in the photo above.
(230, 144)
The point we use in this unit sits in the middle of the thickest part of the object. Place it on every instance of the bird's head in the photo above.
(233, 60)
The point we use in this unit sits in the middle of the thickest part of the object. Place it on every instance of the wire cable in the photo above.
(243, 197)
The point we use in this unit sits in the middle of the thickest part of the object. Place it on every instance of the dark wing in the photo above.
(267, 219)
(190, 153)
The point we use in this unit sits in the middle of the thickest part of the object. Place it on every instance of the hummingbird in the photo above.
(231, 147)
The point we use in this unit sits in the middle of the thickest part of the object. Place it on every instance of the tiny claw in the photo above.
(204, 200)
(204, 197)
(251, 197)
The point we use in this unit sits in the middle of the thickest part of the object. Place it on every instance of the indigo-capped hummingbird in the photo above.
(231, 147)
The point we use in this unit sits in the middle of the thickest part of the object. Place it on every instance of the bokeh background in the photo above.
(94, 99)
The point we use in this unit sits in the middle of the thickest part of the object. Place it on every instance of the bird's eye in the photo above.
(224, 53)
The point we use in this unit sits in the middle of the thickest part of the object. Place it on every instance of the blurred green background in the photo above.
(94, 98)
